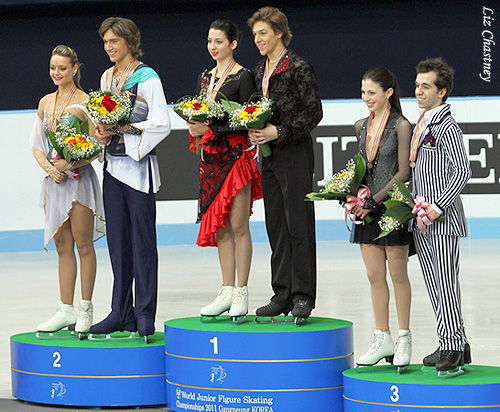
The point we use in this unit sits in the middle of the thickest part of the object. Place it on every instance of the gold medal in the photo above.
(370, 165)
(412, 164)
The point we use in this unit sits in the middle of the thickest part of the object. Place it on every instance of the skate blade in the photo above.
(468, 367)
(54, 335)
(82, 335)
(238, 320)
(211, 318)
(271, 319)
(428, 369)
(450, 374)
(402, 369)
(108, 337)
(300, 321)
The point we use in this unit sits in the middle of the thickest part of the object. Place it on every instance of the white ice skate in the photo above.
(402, 351)
(239, 305)
(65, 316)
(220, 304)
(380, 348)
(84, 321)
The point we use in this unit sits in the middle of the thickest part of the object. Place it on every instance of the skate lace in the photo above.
(376, 343)
(84, 314)
(238, 297)
(218, 299)
(402, 345)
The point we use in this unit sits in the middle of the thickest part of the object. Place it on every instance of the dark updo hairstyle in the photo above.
(229, 28)
(386, 80)
(66, 51)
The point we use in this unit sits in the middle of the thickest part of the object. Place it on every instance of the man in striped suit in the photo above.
(440, 172)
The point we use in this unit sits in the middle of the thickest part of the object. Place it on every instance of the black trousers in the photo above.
(131, 235)
(286, 179)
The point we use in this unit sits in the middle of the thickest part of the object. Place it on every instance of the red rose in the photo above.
(72, 142)
(108, 103)
(251, 109)
(197, 106)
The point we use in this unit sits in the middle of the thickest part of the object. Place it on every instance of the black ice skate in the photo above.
(301, 311)
(271, 310)
(112, 323)
(429, 362)
(450, 363)
(145, 327)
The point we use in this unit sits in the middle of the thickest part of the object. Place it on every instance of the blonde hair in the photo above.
(66, 51)
(125, 28)
(276, 19)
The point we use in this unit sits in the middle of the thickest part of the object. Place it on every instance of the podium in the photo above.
(380, 388)
(64, 370)
(216, 365)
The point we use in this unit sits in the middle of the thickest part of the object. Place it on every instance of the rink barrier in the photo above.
(67, 371)
(217, 365)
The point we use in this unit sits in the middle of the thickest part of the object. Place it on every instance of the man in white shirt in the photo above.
(131, 179)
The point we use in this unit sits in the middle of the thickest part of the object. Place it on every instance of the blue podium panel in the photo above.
(66, 371)
(216, 366)
(380, 388)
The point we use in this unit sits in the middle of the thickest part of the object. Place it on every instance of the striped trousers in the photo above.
(439, 260)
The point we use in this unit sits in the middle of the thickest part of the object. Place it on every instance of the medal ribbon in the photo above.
(268, 73)
(62, 107)
(214, 88)
(129, 69)
(415, 140)
(372, 149)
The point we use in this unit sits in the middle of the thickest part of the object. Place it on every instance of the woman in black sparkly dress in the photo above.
(229, 179)
(384, 141)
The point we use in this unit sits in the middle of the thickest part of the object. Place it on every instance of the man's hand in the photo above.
(260, 136)
(431, 213)
(102, 136)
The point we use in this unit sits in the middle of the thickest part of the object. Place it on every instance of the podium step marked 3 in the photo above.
(380, 388)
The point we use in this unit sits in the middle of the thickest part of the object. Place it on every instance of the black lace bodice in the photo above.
(392, 155)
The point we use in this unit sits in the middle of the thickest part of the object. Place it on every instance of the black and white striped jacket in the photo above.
(442, 170)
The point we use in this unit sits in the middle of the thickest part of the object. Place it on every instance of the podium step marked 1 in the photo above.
(67, 371)
(380, 388)
(215, 365)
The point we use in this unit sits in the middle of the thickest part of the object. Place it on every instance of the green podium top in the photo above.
(481, 375)
(225, 324)
(65, 339)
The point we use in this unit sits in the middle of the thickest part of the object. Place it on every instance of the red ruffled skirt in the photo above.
(243, 172)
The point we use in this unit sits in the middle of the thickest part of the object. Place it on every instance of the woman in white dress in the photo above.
(71, 195)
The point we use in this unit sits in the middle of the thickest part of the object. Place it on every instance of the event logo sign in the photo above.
(333, 146)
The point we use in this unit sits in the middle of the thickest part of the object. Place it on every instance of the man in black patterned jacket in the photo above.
(287, 173)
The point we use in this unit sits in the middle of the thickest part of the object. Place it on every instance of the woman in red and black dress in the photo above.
(229, 179)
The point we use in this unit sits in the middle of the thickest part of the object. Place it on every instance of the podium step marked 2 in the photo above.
(215, 365)
(67, 371)
(380, 388)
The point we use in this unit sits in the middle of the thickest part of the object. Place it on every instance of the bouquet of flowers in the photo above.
(401, 208)
(73, 143)
(344, 183)
(250, 116)
(108, 108)
(198, 109)
(345, 186)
